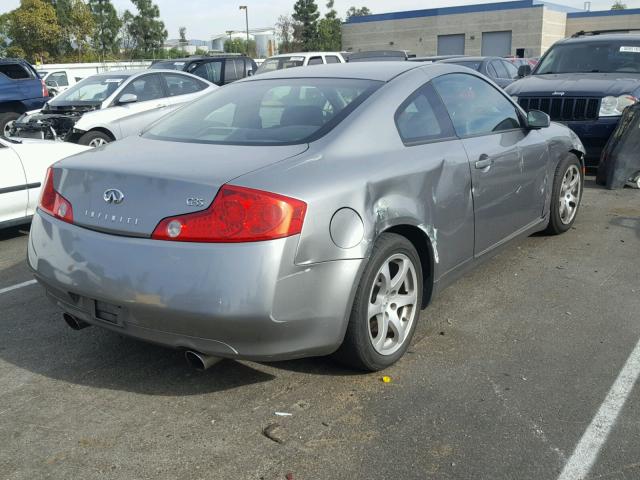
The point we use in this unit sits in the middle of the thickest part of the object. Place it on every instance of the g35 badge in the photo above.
(195, 202)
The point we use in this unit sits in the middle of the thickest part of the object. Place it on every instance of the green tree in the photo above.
(357, 12)
(105, 38)
(146, 28)
(239, 45)
(285, 27)
(126, 40)
(4, 34)
(330, 30)
(81, 26)
(618, 5)
(182, 31)
(33, 27)
(306, 13)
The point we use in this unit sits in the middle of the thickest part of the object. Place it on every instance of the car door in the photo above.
(150, 105)
(13, 186)
(508, 162)
(209, 70)
(181, 89)
(431, 145)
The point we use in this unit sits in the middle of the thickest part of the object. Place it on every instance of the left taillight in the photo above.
(237, 214)
(45, 90)
(52, 202)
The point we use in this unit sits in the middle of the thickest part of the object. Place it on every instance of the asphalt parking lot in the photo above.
(507, 371)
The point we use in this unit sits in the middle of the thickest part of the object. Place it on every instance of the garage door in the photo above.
(451, 44)
(496, 44)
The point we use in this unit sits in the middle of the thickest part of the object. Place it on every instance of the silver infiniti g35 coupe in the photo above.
(301, 212)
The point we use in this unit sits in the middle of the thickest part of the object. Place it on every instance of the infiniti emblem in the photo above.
(113, 195)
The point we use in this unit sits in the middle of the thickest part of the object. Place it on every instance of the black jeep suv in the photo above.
(585, 82)
(220, 69)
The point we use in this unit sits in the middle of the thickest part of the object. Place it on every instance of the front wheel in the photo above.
(386, 306)
(7, 120)
(566, 195)
(94, 139)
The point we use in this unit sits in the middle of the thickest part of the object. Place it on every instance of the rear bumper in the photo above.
(594, 135)
(245, 301)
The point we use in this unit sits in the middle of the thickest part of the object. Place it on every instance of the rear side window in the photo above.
(422, 118)
(15, 71)
(233, 69)
(475, 106)
(512, 71)
(500, 70)
(315, 61)
(332, 59)
(182, 85)
(211, 71)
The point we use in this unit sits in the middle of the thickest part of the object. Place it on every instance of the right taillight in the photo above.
(52, 202)
(237, 214)
(45, 90)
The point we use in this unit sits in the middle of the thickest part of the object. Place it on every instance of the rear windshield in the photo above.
(15, 71)
(92, 90)
(271, 64)
(172, 65)
(267, 112)
(592, 57)
(469, 64)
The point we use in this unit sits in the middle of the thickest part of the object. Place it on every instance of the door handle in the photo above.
(484, 161)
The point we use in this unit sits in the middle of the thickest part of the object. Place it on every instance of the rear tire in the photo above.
(95, 139)
(386, 307)
(566, 195)
(6, 120)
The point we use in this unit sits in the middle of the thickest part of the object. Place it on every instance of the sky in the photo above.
(203, 18)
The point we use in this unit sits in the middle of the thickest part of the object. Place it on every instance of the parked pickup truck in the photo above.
(21, 90)
(58, 80)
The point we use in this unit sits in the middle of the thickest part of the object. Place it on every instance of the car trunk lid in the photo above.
(127, 187)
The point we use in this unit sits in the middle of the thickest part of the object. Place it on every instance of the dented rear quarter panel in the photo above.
(363, 165)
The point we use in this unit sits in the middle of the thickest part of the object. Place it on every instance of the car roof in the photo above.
(381, 71)
(303, 54)
(197, 58)
(467, 59)
(602, 37)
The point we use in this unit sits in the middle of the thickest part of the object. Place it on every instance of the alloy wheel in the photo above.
(7, 128)
(392, 304)
(97, 142)
(570, 192)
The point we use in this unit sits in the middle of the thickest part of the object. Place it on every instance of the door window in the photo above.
(60, 78)
(182, 84)
(14, 71)
(332, 59)
(147, 87)
(210, 71)
(233, 70)
(315, 61)
(422, 118)
(500, 70)
(475, 106)
(512, 71)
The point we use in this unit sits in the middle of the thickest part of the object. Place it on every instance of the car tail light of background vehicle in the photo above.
(52, 202)
(237, 214)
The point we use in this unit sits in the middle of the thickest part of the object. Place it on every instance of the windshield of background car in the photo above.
(268, 112)
(620, 56)
(92, 90)
(280, 63)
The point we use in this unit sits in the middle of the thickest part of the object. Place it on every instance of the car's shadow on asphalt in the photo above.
(13, 232)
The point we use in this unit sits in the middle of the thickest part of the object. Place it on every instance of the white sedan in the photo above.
(110, 106)
(23, 166)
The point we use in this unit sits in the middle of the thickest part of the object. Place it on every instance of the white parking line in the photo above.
(587, 450)
(15, 287)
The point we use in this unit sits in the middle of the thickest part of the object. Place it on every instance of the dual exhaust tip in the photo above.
(196, 360)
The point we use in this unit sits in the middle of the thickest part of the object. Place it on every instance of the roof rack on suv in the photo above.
(583, 33)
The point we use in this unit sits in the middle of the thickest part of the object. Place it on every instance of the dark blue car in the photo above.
(21, 90)
(585, 82)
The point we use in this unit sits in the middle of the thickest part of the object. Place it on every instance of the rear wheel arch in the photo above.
(8, 107)
(421, 242)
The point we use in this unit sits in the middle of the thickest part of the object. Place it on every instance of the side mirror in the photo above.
(524, 71)
(128, 98)
(537, 119)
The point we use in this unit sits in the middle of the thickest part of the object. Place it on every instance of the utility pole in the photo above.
(246, 17)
